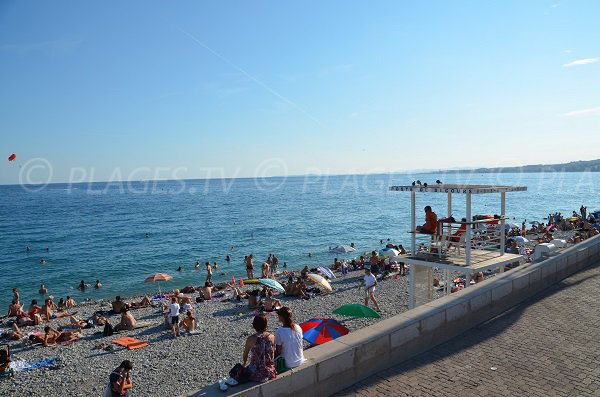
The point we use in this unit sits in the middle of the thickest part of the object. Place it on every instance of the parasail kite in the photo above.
(12, 157)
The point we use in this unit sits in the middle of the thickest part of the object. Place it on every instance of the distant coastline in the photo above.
(573, 166)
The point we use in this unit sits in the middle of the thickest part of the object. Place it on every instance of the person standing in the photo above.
(370, 282)
(209, 272)
(174, 312)
(120, 381)
(249, 266)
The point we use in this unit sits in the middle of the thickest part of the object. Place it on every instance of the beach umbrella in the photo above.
(157, 277)
(388, 252)
(326, 272)
(356, 310)
(320, 280)
(320, 330)
(271, 284)
(342, 249)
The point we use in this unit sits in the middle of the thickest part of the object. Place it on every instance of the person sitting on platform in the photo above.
(430, 226)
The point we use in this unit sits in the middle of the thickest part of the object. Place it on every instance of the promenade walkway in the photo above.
(547, 346)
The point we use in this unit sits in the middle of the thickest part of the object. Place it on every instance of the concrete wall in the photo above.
(338, 364)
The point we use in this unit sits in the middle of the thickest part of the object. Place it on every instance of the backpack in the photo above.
(108, 329)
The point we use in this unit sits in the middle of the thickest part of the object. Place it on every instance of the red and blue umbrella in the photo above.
(320, 330)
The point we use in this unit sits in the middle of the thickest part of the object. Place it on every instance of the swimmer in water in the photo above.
(215, 265)
(43, 289)
(98, 284)
(43, 261)
(309, 254)
(227, 258)
(28, 248)
(180, 269)
(82, 286)
(197, 265)
(47, 249)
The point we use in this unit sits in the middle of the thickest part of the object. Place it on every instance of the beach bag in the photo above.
(237, 371)
(108, 329)
(280, 365)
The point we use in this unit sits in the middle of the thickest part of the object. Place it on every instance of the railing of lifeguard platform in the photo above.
(486, 237)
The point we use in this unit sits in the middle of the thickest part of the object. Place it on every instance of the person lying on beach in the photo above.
(16, 333)
(206, 291)
(238, 294)
(98, 319)
(14, 309)
(24, 320)
(143, 303)
(271, 304)
(51, 337)
(70, 302)
(128, 322)
(49, 311)
(75, 324)
(189, 322)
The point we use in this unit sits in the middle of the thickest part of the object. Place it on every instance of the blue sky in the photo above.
(140, 89)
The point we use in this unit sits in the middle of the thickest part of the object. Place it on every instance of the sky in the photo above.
(166, 90)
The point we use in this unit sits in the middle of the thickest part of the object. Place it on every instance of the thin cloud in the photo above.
(582, 112)
(254, 79)
(554, 5)
(585, 61)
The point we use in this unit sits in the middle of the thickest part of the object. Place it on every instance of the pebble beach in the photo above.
(172, 366)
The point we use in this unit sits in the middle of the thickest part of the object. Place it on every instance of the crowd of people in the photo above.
(264, 354)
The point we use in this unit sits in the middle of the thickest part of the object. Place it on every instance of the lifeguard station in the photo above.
(469, 247)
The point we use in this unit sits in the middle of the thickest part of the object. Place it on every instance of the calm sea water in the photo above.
(98, 231)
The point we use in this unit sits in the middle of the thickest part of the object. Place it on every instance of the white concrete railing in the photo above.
(341, 363)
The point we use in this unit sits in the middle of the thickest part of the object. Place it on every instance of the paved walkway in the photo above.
(547, 346)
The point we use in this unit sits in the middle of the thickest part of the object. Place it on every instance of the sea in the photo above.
(122, 232)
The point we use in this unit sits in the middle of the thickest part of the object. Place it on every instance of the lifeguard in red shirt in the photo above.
(430, 226)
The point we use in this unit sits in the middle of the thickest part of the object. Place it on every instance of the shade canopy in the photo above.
(356, 310)
(320, 330)
(158, 277)
(322, 281)
(271, 284)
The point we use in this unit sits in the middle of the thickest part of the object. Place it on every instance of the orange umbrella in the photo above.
(320, 280)
(158, 277)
